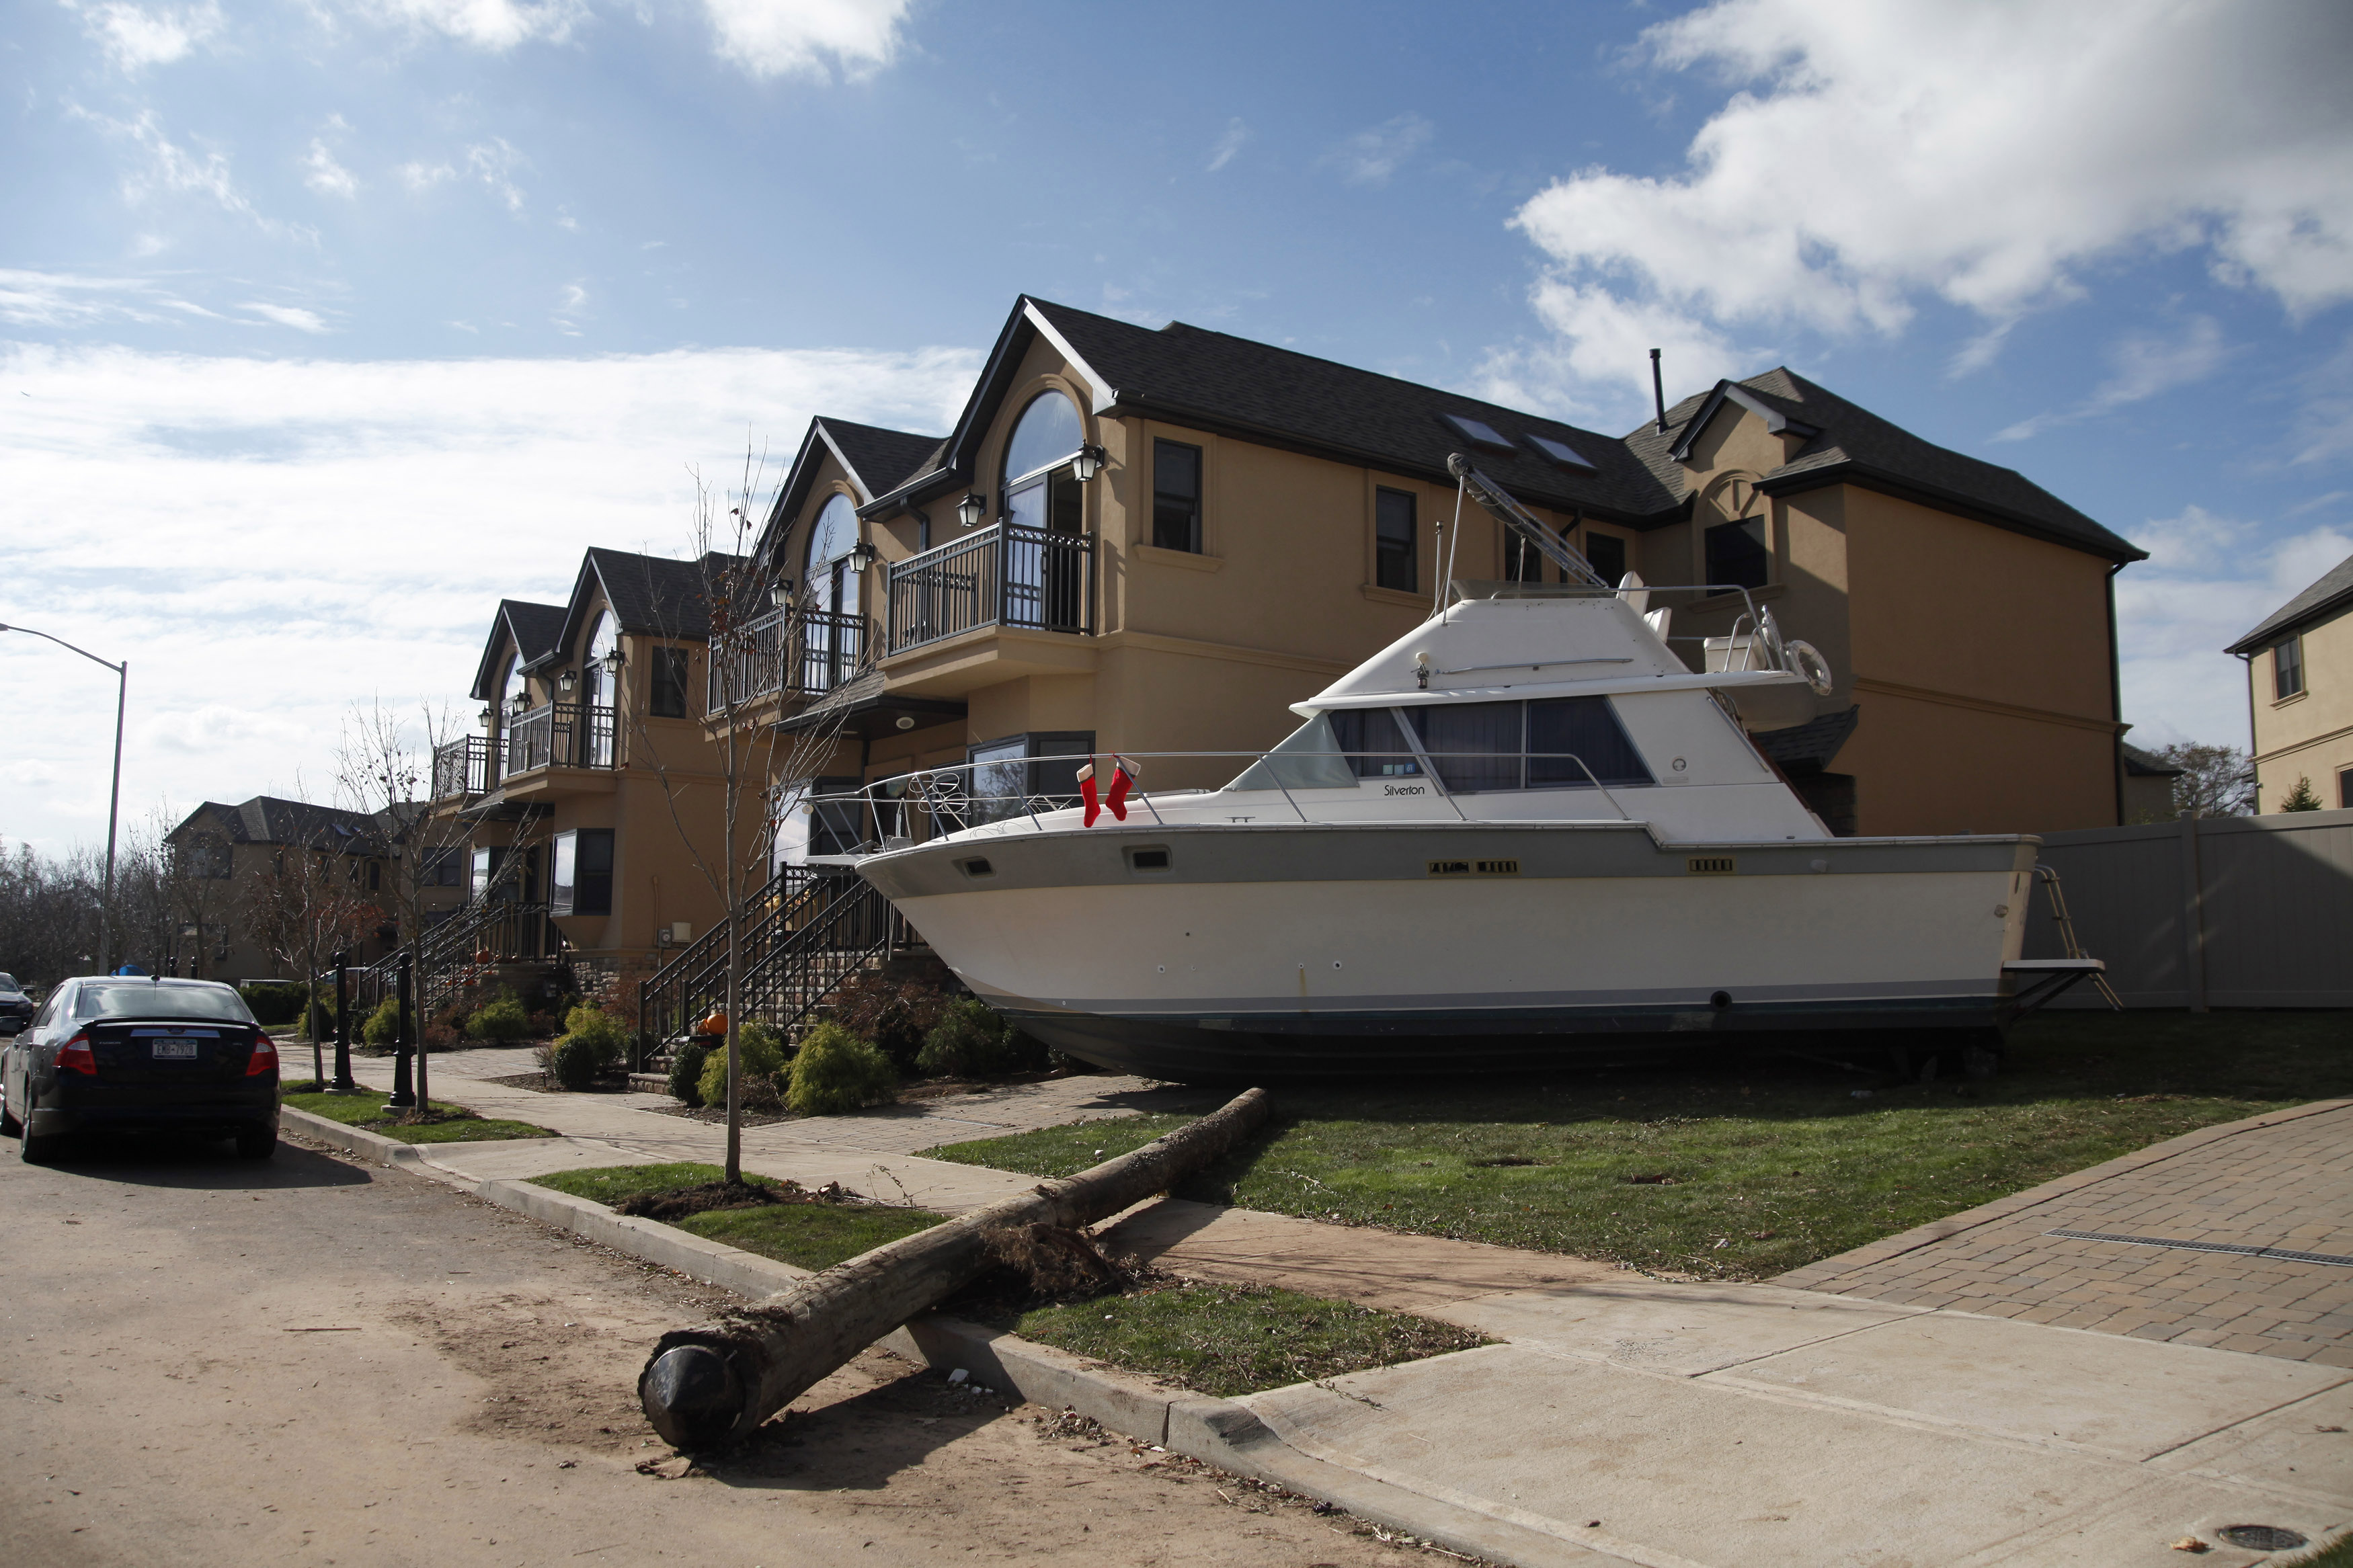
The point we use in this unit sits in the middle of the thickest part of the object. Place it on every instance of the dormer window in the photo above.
(1478, 432)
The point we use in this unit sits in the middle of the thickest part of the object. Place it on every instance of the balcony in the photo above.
(465, 768)
(785, 651)
(1001, 576)
(560, 735)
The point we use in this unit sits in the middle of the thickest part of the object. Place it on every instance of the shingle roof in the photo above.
(2334, 591)
(649, 594)
(268, 819)
(1856, 444)
(2147, 764)
(878, 458)
(532, 629)
(1191, 375)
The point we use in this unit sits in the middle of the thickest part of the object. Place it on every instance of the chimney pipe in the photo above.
(1659, 392)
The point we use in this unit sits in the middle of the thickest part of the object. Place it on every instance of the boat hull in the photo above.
(1258, 950)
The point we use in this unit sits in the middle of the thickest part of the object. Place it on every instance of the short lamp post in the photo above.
(404, 1096)
(344, 1081)
(114, 796)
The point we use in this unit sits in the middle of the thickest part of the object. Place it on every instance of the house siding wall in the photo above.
(2311, 736)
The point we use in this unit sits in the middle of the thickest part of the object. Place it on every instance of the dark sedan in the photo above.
(15, 1008)
(121, 1051)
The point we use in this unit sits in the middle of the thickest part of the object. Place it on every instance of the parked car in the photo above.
(15, 1008)
(115, 1051)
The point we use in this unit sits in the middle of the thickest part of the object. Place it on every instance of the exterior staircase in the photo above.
(805, 933)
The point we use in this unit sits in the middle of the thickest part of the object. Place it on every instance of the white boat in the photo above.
(1525, 824)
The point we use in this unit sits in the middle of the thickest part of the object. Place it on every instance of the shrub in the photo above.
(835, 1071)
(972, 1041)
(896, 1014)
(274, 1002)
(593, 1042)
(574, 1063)
(686, 1064)
(762, 1049)
(382, 1027)
(440, 1038)
(504, 1019)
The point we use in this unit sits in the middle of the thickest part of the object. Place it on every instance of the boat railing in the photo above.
(914, 807)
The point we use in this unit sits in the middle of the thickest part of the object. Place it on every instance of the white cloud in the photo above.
(1600, 340)
(1372, 155)
(1881, 152)
(808, 37)
(1230, 142)
(494, 24)
(325, 175)
(571, 300)
(280, 537)
(72, 299)
(493, 163)
(420, 176)
(292, 316)
(2324, 417)
(2207, 583)
(2145, 364)
(135, 38)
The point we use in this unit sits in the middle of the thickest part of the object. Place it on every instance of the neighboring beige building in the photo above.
(2300, 694)
(1155, 541)
(593, 799)
(221, 862)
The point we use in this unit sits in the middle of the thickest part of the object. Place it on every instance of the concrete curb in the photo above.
(1216, 1432)
(1818, 1275)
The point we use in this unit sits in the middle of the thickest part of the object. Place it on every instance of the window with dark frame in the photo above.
(582, 881)
(1606, 552)
(1176, 497)
(1738, 554)
(2345, 790)
(2287, 669)
(669, 695)
(1393, 536)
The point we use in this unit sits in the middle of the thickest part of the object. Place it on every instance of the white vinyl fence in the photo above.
(2219, 911)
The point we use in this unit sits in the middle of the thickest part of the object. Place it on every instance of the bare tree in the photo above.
(755, 645)
(2216, 781)
(305, 905)
(385, 767)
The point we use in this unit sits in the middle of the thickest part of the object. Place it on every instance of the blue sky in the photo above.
(328, 323)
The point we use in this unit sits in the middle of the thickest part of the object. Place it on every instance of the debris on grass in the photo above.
(671, 1205)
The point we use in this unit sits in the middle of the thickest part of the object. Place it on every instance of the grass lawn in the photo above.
(806, 1236)
(365, 1109)
(1228, 1339)
(1730, 1169)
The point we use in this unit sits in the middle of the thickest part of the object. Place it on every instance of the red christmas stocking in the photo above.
(1087, 793)
(1126, 771)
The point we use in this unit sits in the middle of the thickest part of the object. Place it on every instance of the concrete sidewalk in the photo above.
(1677, 1425)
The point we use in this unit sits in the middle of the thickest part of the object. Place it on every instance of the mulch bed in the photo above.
(678, 1202)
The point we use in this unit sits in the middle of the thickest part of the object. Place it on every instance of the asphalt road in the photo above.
(216, 1360)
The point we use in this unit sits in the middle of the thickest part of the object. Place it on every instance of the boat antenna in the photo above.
(1659, 392)
(1438, 599)
(1519, 520)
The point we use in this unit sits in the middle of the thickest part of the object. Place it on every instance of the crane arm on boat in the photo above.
(1521, 522)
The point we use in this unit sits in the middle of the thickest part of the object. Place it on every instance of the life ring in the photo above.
(1804, 659)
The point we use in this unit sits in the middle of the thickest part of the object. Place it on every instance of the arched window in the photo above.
(832, 539)
(1048, 434)
(831, 650)
(510, 684)
(596, 687)
(1736, 551)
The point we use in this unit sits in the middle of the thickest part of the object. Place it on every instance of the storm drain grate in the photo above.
(2261, 1537)
(2284, 1254)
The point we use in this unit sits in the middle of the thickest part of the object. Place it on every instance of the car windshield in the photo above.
(214, 1002)
(8, 982)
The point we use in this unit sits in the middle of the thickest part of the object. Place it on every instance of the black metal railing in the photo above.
(466, 767)
(1002, 575)
(485, 932)
(785, 650)
(560, 735)
(803, 935)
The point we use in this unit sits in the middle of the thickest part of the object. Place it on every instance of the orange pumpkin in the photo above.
(715, 1025)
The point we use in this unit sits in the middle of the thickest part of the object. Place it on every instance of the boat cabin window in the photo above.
(1332, 751)
(1480, 746)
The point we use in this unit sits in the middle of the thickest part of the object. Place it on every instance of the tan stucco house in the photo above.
(1155, 541)
(2300, 693)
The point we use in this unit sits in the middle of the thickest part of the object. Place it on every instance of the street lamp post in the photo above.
(402, 1096)
(344, 1081)
(114, 798)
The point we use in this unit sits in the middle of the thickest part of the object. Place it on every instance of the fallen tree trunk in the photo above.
(705, 1388)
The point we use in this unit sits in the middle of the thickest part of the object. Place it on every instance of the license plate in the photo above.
(180, 1050)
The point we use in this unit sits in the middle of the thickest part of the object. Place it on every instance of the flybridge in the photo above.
(1499, 501)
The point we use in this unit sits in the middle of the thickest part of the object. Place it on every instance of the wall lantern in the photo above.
(780, 592)
(567, 680)
(863, 555)
(612, 662)
(1088, 463)
(489, 714)
(971, 509)
(520, 704)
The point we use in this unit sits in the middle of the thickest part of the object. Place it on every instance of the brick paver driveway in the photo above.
(2280, 1180)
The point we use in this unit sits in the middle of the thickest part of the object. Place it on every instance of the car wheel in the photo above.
(39, 1151)
(257, 1142)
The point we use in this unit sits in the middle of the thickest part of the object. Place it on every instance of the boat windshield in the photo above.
(1332, 751)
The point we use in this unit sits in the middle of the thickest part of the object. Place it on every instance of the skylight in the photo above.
(1560, 452)
(1477, 431)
